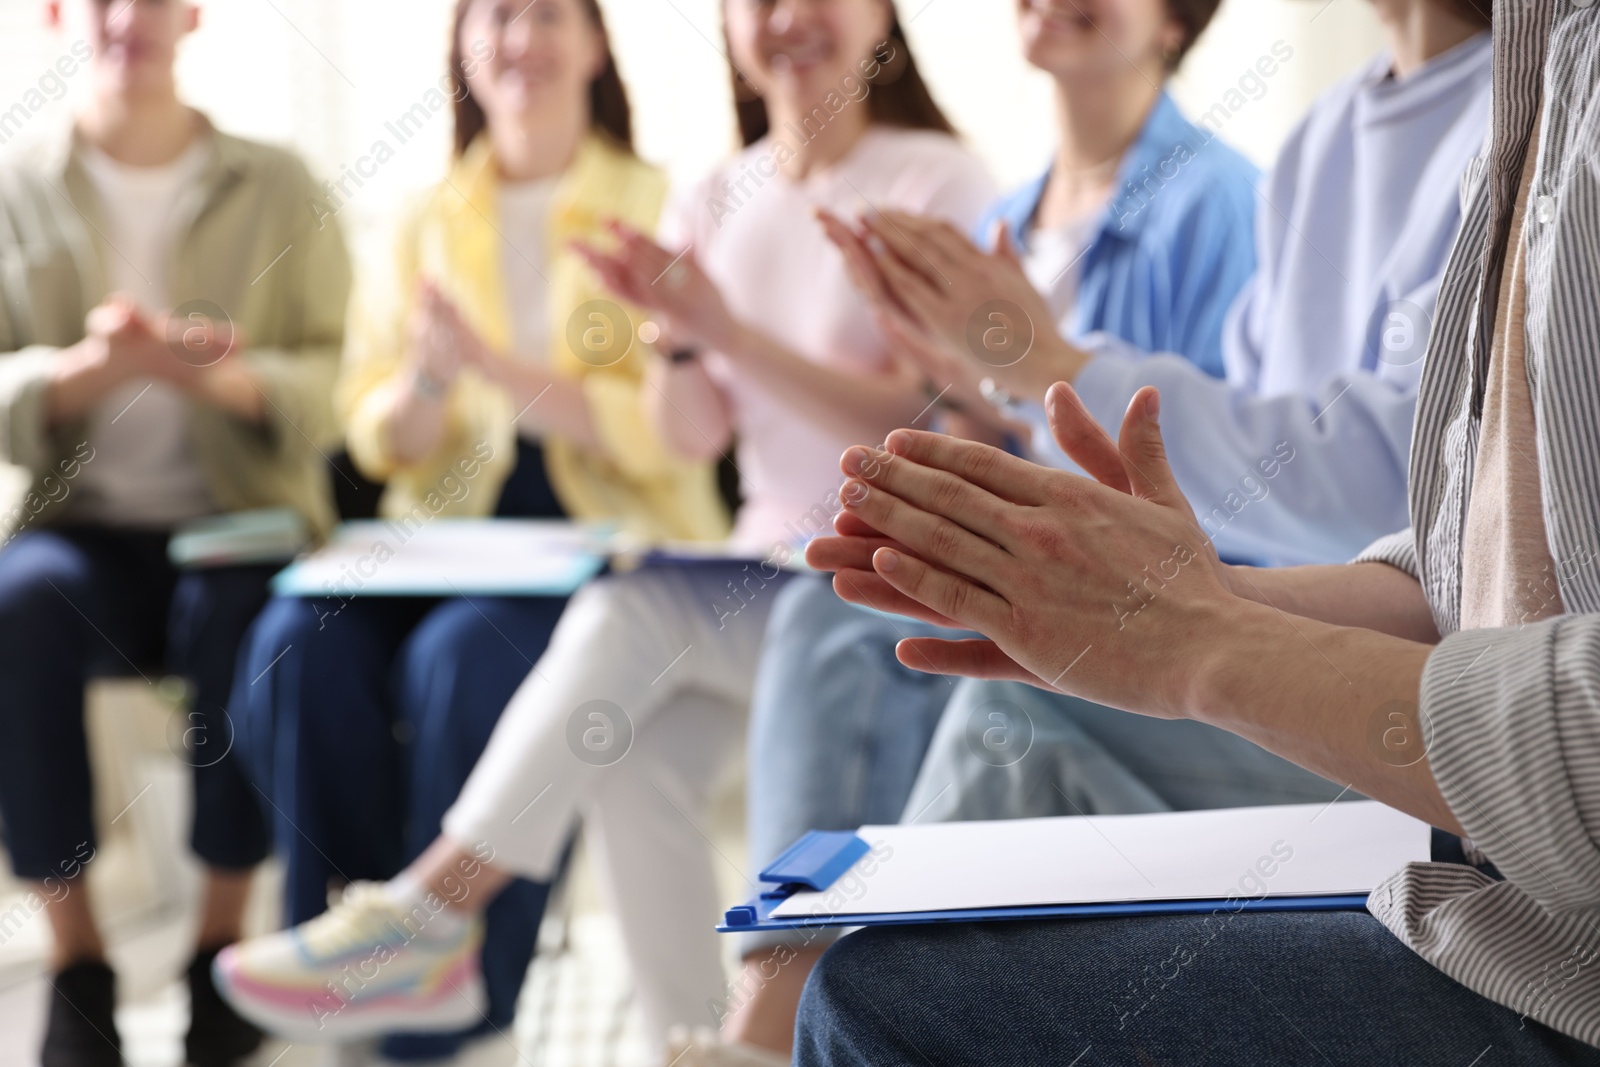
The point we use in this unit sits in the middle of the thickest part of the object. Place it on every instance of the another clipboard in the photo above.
(1316, 857)
(449, 557)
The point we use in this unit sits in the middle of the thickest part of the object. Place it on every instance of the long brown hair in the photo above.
(898, 96)
(608, 99)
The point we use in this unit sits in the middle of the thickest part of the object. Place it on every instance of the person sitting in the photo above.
(639, 702)
(469, 389)
(1450, 672)
(166, 355)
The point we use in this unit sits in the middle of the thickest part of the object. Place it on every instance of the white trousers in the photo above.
(627, 722)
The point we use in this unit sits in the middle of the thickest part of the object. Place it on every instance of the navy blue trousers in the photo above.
(84, 602)
(362, 726)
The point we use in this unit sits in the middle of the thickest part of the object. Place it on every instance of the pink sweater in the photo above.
(754, 233)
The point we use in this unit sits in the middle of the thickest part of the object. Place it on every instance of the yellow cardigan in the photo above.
(449, 238)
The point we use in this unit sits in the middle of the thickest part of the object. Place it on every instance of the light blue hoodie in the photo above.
(1301, 454)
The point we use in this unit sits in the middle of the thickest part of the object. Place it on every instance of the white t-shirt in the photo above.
(145, 472)
(1053, 261)
(524, 222)
(754, 233)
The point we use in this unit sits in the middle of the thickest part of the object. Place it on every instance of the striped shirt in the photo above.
(1512, 715)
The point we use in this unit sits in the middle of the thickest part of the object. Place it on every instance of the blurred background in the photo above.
(327, 77)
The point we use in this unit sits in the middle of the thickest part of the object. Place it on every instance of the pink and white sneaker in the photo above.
(373, 964)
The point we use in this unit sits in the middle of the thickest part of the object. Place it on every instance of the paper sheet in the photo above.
(447, 557)
(1289, 850)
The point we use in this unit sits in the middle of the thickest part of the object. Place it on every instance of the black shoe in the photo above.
(218, 1036)
(82, 1028)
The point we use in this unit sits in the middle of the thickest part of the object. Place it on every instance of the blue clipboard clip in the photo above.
(814, 862)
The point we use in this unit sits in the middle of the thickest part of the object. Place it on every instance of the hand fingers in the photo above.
(1005, 245)
(643, 253)
(858, 261)
(867, 588)
(936, 492)
(1083, 439)
(897, 244)
(968, 657)
(614, 274)
(848, 525)
(967, 604)
(948, 246)
(843, 553)
(1000, 473)
(943, 542)
(1145, 454)
(911, 289)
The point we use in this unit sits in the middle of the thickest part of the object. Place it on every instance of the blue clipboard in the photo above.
(820, 858)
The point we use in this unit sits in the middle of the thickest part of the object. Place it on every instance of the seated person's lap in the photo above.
(1224, 990)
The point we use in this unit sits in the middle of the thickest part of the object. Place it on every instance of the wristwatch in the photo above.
(683, 355)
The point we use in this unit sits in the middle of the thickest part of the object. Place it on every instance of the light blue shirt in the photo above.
(1173, 248)
(1301, 454)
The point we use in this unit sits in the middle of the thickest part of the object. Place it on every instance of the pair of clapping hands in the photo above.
(123, 342)
(966, 321)
(1104, 587)
(443, 343)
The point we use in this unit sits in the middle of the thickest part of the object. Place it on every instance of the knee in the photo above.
(847, 1013)
(454, 633)
(41, 578)
(806, 607)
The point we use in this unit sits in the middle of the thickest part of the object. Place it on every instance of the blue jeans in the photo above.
(1004, 750)
(1330, 988)
(360, 728)
(83, 602)
(838, 727)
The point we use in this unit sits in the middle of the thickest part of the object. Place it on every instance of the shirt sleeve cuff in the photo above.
(1397, 550)
(1501, 719)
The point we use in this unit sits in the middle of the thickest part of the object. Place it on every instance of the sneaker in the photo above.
(704, 1047)
(370, 965)
(81, 1030)
(218, 1036)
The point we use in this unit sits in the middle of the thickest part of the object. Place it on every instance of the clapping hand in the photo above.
(672, 286)
(1082, 585)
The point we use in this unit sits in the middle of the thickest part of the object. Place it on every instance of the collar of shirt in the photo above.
(1164, 130)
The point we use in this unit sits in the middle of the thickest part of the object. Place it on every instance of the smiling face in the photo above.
(1076, 38)
(528, 60)
(135, 42)
(800, 50)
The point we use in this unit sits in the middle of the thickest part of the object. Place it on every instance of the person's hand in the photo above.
(1106, 589)
(671, 286)
(128, 343)
(197, 349)
(437, 334)
(979, 307)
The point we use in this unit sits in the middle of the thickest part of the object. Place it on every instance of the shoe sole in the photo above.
(457, 1004)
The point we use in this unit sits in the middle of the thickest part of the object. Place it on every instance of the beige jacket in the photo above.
(254, 204)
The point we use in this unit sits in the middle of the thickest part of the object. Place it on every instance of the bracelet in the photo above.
(683, 355)
(427, 385)
(994, 394)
